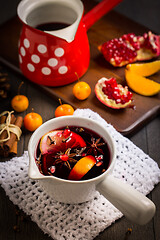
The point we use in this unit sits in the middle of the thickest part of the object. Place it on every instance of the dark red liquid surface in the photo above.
(95, 146)
(51, 26)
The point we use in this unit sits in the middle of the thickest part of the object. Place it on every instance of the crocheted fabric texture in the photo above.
(80, 221)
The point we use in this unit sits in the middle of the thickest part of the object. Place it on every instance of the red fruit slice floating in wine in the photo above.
(60, 140)
(131, 48)
(47, 162)
(112, 94)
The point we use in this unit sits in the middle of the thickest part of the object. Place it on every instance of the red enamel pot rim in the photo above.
(37, 49)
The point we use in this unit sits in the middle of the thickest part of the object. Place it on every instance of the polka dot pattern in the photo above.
(46, 70)
(23, 51)
(38, 58)
(52, 62)
(62, 69)
(35, 58)
(42, 48)
(30, 67)
(59, 52)
(20, 59)
(26, 43)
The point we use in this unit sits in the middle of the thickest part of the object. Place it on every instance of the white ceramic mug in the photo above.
(134, 205)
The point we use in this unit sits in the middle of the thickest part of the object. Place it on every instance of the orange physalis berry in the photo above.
(63, 110)
(32, 121)
(81, 90)
(19, 102)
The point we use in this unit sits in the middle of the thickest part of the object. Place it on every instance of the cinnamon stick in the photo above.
(4, 133)
(13, 150)
(9, 143)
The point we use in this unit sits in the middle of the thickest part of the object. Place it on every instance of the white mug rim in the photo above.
(95, 179)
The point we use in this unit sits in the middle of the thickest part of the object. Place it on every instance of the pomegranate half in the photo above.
(131, 48)
(112, 94)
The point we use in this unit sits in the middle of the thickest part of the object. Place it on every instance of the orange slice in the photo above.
(82, 167)
(144, 69)
(141, 85)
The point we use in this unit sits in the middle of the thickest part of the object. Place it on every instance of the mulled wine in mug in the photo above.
(74, 156)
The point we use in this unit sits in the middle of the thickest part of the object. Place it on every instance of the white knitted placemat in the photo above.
(80, 221)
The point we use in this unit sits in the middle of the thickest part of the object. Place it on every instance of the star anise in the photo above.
(95, 146)
(66, 157)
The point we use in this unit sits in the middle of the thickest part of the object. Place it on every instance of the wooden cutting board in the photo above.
(112, 25)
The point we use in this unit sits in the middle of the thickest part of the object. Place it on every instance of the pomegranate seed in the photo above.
(118, 100)
(83, 154)
(100, 157)
(59, 134)
(64, 157)
(52, 169)
(66, 132)
(98, 164)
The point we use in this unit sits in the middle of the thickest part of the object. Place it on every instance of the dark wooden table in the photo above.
(147, 138)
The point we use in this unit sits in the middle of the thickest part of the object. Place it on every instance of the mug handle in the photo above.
(133, 204)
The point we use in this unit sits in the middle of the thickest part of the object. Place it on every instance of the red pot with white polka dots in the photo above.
(53, 46)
